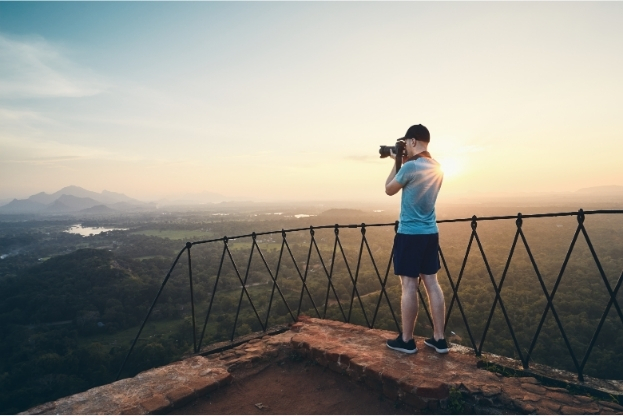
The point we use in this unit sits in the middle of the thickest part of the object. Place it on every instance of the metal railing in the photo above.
(346, 311)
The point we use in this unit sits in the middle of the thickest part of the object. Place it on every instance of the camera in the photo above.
(398, 149)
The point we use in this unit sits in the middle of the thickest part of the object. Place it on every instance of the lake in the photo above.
(87, 231)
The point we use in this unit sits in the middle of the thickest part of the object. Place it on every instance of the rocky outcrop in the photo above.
(153, 391)
(430, 381)
(427, 382)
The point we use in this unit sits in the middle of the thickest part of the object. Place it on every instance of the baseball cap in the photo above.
(417, 132)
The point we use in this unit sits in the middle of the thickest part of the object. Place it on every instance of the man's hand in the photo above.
(393, 156)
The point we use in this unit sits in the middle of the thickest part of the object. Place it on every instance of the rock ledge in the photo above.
(425, 381)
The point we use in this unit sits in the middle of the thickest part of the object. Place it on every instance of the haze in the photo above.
(290, 101)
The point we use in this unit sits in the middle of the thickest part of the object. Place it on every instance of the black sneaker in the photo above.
(399, 345)
(440, 345)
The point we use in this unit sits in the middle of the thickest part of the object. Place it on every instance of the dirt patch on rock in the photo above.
(292, 386)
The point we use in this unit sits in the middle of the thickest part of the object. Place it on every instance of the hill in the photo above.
(610, 190)
(49, 314)
(70, 203)
(342, 214)
(88, 277)
(105, 197)
(98, 209)
(22, 206)
(73, 199)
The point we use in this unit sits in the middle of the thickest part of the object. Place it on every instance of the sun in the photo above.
(451, 167)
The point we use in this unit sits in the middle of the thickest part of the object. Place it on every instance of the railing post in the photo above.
(218, 275)
(164, 282)
(519, 224)
(581, 219)
(192, 298)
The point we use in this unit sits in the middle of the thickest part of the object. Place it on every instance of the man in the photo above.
(416, 243)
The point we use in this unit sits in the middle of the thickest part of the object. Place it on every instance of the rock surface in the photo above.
(426, 381)
(155, 391)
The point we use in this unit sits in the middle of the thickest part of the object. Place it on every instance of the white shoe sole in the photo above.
(439, 350)
(402, 349)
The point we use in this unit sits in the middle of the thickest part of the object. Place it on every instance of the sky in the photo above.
(291, 100)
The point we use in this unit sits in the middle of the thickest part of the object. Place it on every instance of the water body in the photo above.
(87, 231)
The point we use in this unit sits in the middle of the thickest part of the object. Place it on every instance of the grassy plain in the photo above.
(166, 327)
(184, 235)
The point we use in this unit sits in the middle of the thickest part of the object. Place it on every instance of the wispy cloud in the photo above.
(43, 160)
(472, 148)
(42, 151)
(33, 67)
(362, 158)
(10, 115)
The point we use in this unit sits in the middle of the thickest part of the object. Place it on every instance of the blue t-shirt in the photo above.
(421, 180)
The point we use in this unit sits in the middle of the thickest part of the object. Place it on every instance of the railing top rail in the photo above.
(382, 276)
(320, 227)
(469, 219)
(550, 215)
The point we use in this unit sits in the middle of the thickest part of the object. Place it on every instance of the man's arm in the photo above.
(391, 184)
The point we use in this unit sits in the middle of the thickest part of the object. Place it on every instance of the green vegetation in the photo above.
(66, 323)
(184, 235)
(456, 402)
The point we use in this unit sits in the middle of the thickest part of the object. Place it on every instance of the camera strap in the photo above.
(419, 155)
(416, 157)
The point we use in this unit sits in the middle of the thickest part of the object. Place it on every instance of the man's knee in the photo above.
(431, 283)
(429, 279)
(409, 284)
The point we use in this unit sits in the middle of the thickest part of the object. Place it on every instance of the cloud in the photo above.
(33, 67)
(472, 148)
(47, 159)
(362, 158)
(44, 151)
(8, 114)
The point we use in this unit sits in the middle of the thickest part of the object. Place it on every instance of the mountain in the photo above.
(70, 203)
(109, 197)
(22, 206)
(610, 190)
(56, 207)
(42, 198)
(126, 206)
(98, 209)
(105, 197)
(204, 197)
(72, 199)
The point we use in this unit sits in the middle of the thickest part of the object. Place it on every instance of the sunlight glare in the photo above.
(450, 167)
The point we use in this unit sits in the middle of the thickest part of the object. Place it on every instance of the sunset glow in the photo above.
(451, 168)
(290, 101)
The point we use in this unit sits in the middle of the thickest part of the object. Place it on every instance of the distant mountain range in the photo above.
(73, 199)
(199, 198)
(76, 200)
(610, 190)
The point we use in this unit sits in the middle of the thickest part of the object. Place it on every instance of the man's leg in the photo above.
(437, 304)
(409, 306)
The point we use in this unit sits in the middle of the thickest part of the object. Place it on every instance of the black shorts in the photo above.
(415, 254)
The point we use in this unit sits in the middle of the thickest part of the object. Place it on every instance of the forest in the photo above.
(70, 306)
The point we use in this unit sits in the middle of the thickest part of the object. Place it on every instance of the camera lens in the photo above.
(385, 151)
